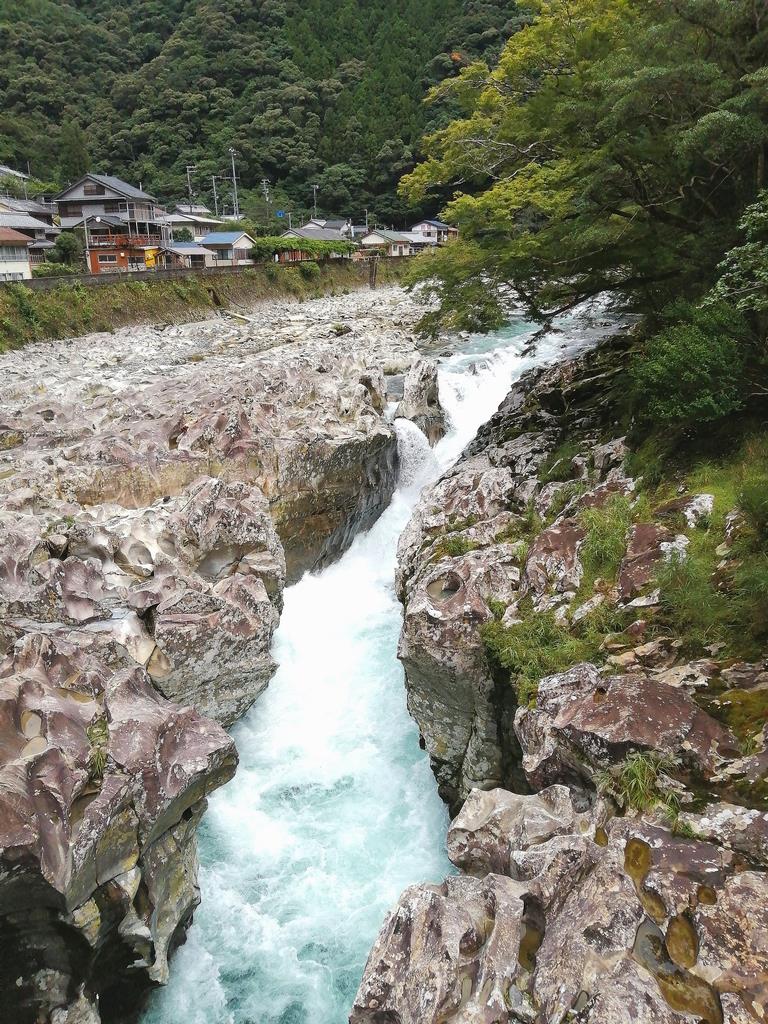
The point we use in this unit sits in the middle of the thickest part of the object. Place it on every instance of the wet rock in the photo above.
(494, 828)
(628, 924)
(451, 691)
(448, 953)
(421, 400)
(102, 782)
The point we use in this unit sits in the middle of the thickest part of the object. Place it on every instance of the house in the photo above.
(14, 256)
(394, 243)
(185, 254)
(33, 219)
(102, 195)
(343, 228)
(230, 248)
(10, 172)
(435, 230)
(315, 233)
(110, 247)
(198, 220)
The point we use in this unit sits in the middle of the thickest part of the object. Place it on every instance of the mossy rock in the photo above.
(744, 712)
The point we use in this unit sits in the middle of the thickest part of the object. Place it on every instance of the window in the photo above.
(111, 207)
(93, 188)
(13, 253)
(11, 277)
(107, 258)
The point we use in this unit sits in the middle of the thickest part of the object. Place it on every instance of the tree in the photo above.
(74, 159)
(611, 149)
(68, 249)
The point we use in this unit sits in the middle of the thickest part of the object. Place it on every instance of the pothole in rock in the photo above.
(682, 991)
(444, 588)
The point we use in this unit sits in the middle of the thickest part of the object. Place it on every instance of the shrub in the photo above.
(557, 465)
(690, 602)
(453, 547)
(309, 269)
(692, 373)
(53, 270)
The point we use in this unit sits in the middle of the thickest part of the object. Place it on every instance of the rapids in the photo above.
(334, 810)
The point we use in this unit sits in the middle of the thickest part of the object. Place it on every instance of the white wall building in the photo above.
(14, 256)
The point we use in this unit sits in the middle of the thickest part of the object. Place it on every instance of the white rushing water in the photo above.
(334, 810)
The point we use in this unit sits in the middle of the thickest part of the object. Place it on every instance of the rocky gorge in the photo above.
(598, 735)
(157, 490)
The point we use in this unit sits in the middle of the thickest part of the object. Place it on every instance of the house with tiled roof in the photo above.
(14, 255)
(230, 248)
(436, 231)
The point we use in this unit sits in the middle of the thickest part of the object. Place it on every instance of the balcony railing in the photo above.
(124, 241)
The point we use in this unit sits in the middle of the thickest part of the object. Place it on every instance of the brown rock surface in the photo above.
(605, 925)
(102, 782)
(584, 721)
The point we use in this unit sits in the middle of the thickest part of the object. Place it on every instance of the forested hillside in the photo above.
(307, 91)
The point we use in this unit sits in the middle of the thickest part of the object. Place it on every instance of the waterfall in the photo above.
(334, 810)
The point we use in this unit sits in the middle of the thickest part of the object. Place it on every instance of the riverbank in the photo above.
(69, 310)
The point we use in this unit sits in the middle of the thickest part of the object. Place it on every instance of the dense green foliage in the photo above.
(270, 245)
(324, 92)
(614, 148)
(691, 373)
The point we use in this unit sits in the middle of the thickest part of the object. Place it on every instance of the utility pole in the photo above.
(215, 195)
(267, 199)
(314, 199)
(190, 168)
(235, 201)
(290, 220)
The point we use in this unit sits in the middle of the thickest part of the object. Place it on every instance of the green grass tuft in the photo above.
(641, 782)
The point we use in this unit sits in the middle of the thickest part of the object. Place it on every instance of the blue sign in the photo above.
(279, 213)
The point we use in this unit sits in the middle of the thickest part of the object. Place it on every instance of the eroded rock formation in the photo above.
(102, 784)
(619, 877)
(564, 915)
(421, 400)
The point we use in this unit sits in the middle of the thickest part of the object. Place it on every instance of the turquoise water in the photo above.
(334, 810)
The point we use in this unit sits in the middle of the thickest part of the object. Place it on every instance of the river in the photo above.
(334, 810)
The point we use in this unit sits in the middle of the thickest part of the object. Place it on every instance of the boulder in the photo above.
(102, 783)
(584, 722)
(421, 400)
(189, 588)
